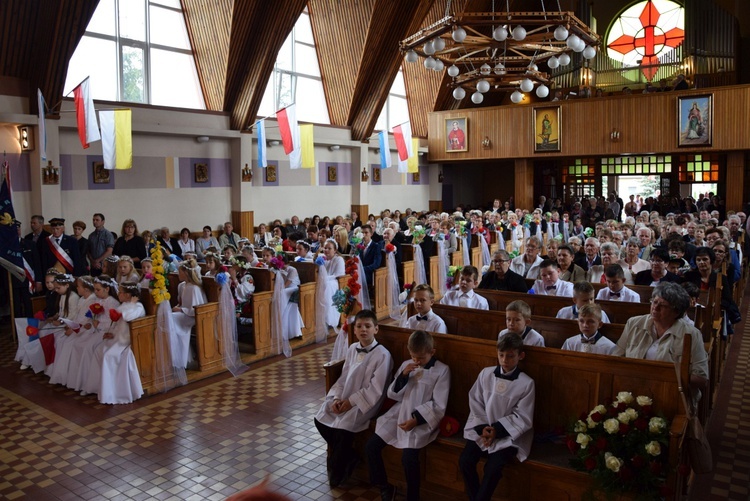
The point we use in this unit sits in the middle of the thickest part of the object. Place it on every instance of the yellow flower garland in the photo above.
(159, 284)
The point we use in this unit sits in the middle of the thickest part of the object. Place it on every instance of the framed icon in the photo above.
(101, 175)
(271, 173)
(457, 135)
(332, 174)
(201, 173)
(546, 129)
(695, 115)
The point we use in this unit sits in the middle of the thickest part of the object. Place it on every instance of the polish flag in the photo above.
(289, 130)
(88, 128)
(402, 137)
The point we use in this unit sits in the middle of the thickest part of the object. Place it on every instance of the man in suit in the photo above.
(371, 255)
(171, 245)
(295, 226)
(37, 238)
(590, 254)
(61, 251)
(503, 278)
(21, 289)
(658, 272)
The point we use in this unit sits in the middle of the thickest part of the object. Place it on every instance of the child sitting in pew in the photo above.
(425, 319)
(590, 340)
(517, 321)
(354, 398)
(147, 268)
(583, 293)
(465, 296)
(549, 283)
(500, 425)
(616, 289)
(694, 292)
(420, 390)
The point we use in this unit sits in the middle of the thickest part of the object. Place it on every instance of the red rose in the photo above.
(641, 424)
(449, 426)
(345, 327)
(624, 428)
(590, 463)
(390, 247)
(96, 309)
(612, 411)
(572, 445)
(601, 443)
(596, 417)
(638, 462)
(655, 467)
(626, 474)
(114, 315)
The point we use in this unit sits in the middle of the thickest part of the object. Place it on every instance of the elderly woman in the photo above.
(527, 264)
(660, 334)
(631, 263)
(610, 254)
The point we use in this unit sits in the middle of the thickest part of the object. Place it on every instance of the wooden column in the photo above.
(735, 180)
(524, 192)
(436, 205)
(243, 222)
(362, 211)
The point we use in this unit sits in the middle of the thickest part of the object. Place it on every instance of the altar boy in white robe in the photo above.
(420, 390)
(355, 398)
(501, 419)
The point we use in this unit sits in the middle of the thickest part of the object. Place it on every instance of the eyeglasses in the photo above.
(500, 261)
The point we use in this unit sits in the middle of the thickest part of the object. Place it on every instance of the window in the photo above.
(138, 51)
(645, 32)
(579, 178)
(637, 165)
(701, 168)
(395, 111)
(296, 77)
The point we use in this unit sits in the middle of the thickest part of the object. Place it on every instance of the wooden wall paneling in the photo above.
(647, 124)
(524, 192)
(380, 60)
(339, 30)
(436, 205)
(362, 211)
(244, 223)
(208, 26)
(735, 176)
(255, 24)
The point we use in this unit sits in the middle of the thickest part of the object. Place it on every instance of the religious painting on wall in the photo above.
(457, 135)
(415, 177)
(201, 173)
(376, 175)
(546, 129)
(271, 174)
(332, 174)
(101, 175)
(695, 120)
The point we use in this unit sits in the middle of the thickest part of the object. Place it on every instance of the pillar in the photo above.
(524, 192)
(735, 180)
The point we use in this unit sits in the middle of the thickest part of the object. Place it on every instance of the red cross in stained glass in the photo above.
(648, 40)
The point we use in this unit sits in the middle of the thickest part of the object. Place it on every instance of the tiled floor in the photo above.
(213, 438)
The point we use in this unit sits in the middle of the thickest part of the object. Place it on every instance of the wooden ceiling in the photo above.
(235, 43)
(38, 38)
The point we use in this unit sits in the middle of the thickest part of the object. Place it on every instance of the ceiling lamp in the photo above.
(516, 97)
(502, 50)
(542, 91)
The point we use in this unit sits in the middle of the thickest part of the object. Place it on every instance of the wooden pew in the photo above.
(407, 264)
(263, 280)
(475, 252)
(308, 274)
(548, 306)
(208, 340)
(567, 383)
(487, 324)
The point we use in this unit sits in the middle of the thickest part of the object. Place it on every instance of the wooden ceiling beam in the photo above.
(208, 26)
(259, 28)
(390, 23)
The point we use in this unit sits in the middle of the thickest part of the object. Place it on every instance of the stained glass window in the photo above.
(644, 32)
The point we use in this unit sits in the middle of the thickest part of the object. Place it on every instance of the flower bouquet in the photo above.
(418, 235)
(345, 300)
(451, 274)
(623, 446)
(159, 283)
(389, 247)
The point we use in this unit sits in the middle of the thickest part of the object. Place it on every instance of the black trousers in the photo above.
(409, 460)
(493, 470)
(340, 450)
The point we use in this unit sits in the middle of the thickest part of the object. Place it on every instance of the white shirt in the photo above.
(600, 346)
(508, 402)
(465, 300)
(517, 266)
(429, 322)
(625, 295)
(530, 337)
(571, 313)
(561, 288)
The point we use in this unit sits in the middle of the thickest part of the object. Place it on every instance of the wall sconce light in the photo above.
(334, 147)
(25, 138)
(614, 136)
(202, 139)
(365, 175)
(440, 177)
(247, 174)
(274, 142)
(486, 143)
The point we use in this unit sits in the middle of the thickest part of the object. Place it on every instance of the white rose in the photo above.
(623, 417)
(600, 409)
(591, 422)
(611, 426)
(632, 413)
(583, 440)
(625, 397)
(612, 462)
(643, 400)
(653, 448)
(579, 427)
(656, 424)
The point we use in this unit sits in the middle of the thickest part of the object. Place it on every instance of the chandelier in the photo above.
(483, 51)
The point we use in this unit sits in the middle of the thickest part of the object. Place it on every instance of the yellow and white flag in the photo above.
(117, 139)
(412, 165)
(308, 146)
